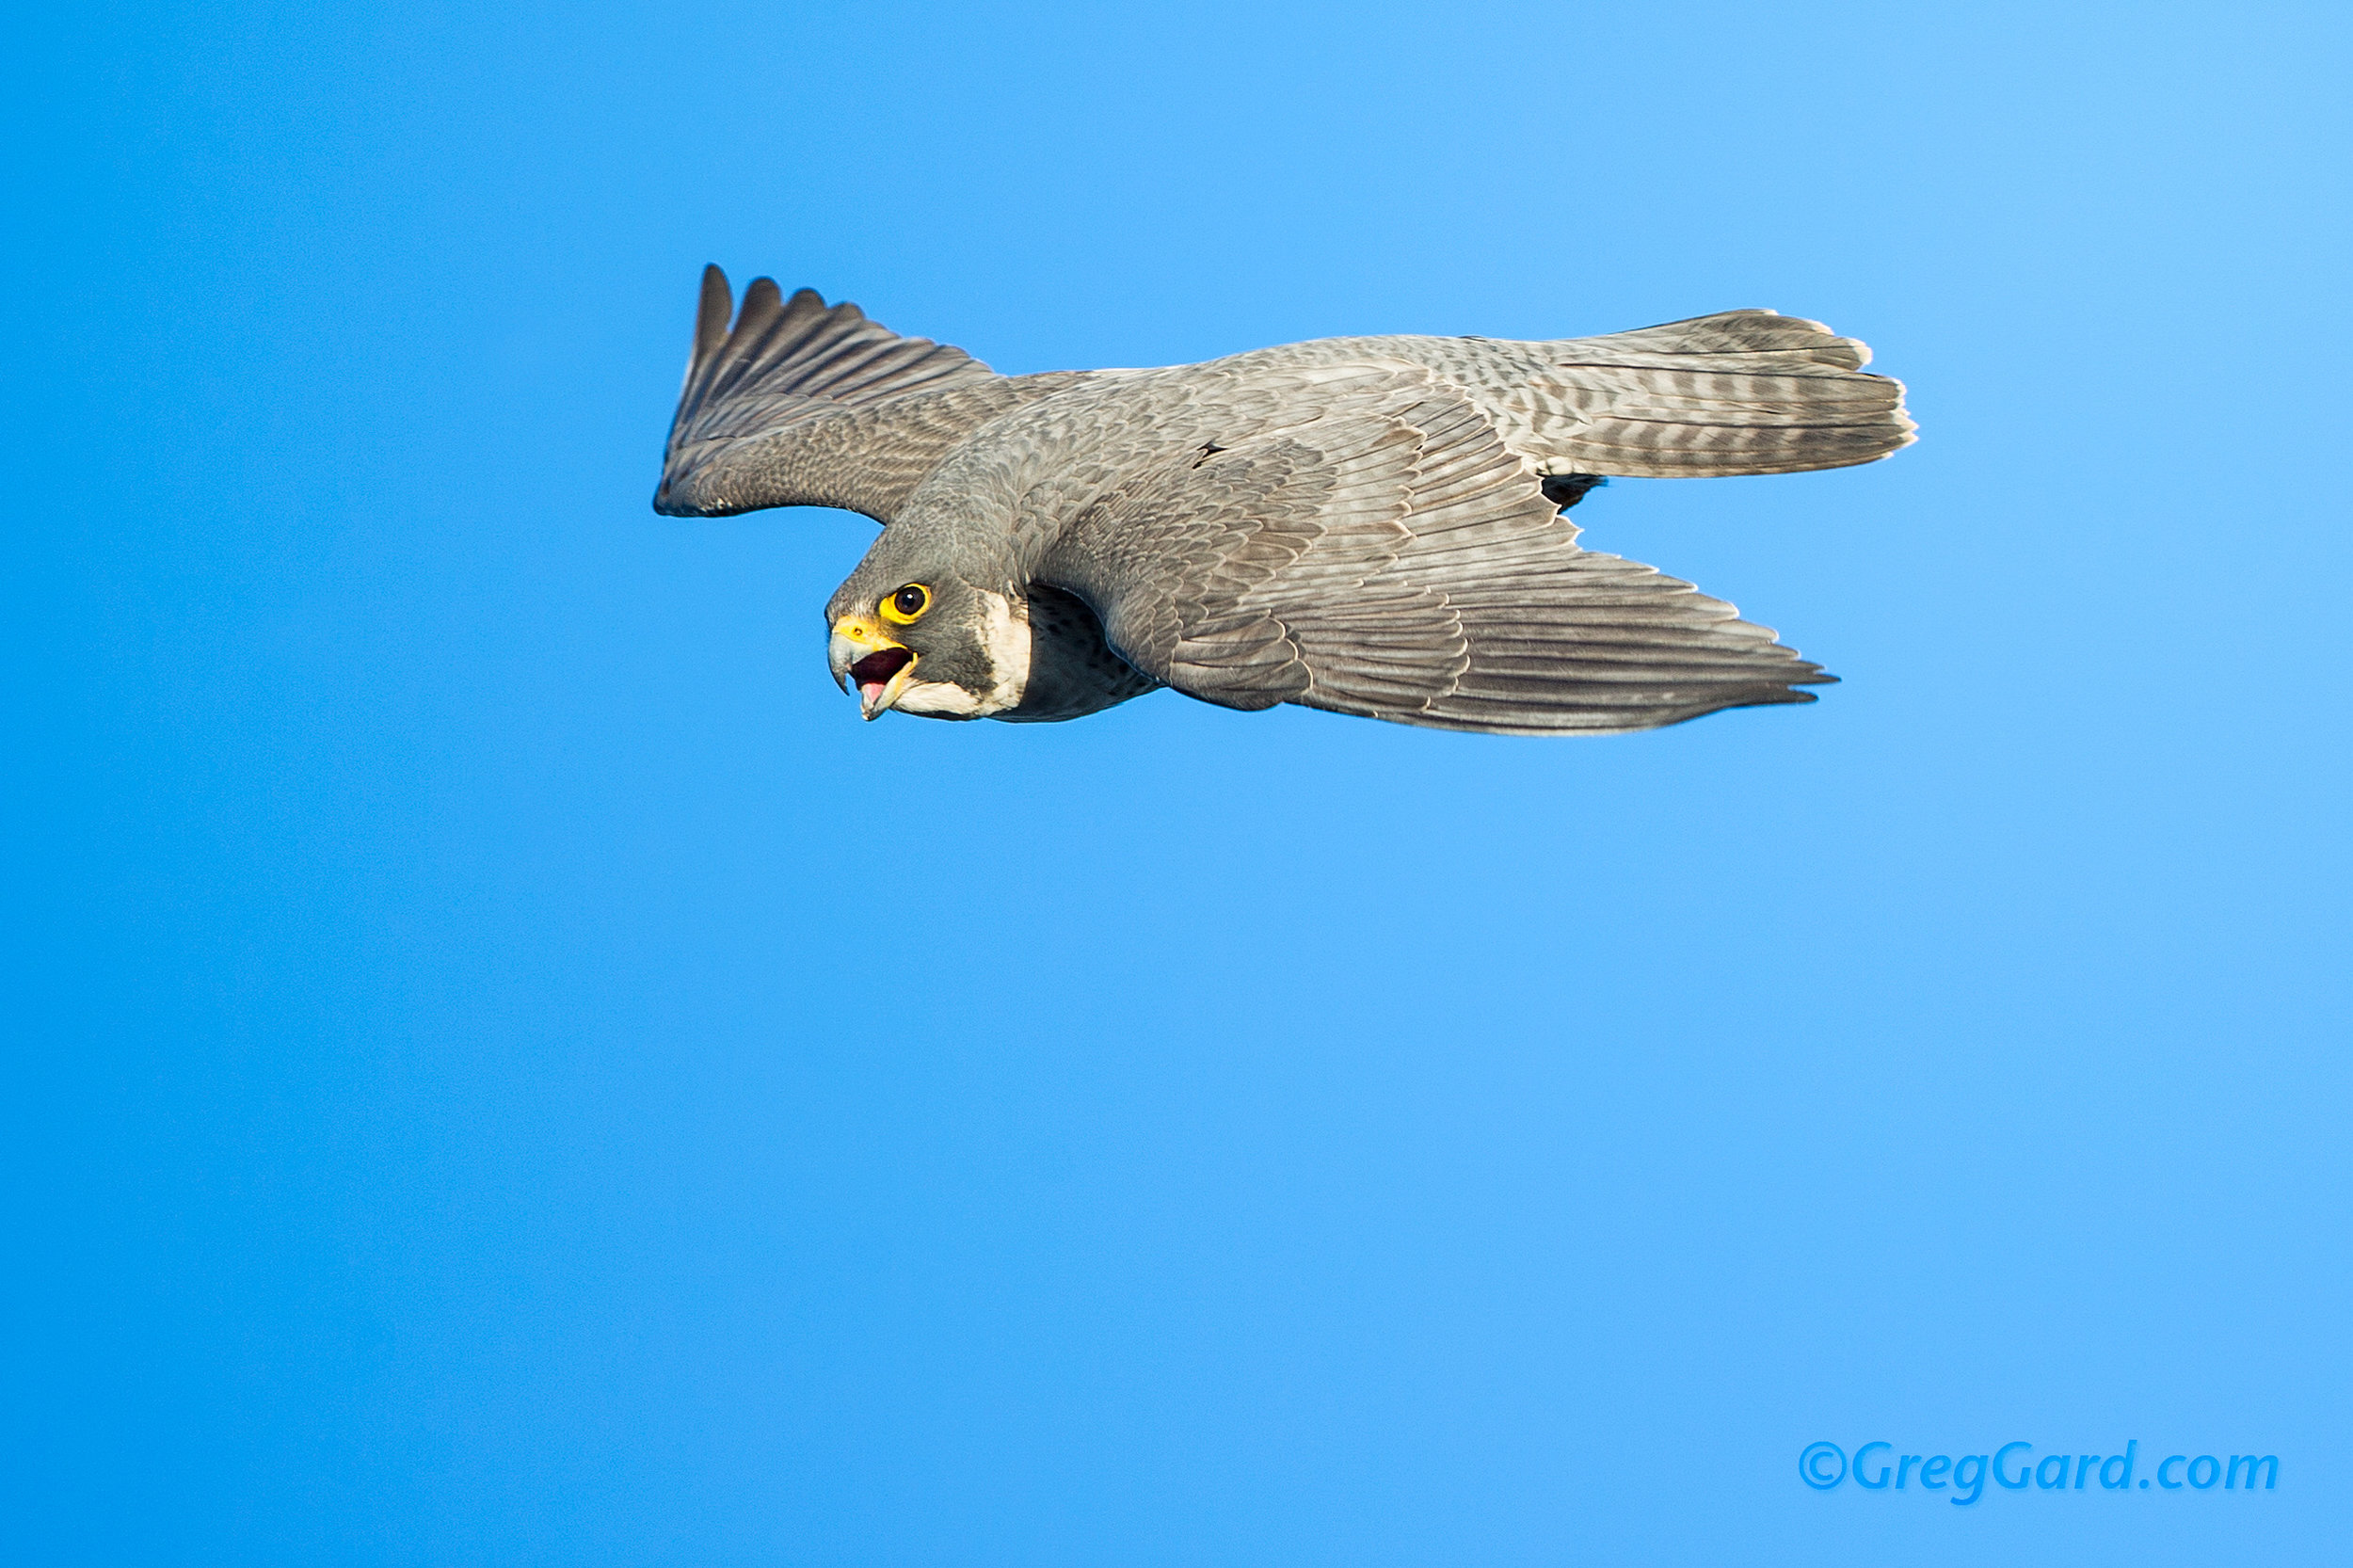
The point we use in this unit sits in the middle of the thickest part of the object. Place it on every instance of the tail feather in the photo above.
(1743, 392)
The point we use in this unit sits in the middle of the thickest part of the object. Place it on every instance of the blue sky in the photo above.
(510, 1070)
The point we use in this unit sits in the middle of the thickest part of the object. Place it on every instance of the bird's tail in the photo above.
(1745, 391)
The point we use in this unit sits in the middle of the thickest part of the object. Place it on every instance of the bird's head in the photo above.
(927, 642)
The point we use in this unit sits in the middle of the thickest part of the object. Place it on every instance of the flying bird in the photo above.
(1371, 526)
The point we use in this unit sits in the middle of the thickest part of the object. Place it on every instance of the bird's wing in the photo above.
(800, 404)
(1371, 547)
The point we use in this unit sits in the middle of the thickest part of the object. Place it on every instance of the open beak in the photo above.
(877, 664)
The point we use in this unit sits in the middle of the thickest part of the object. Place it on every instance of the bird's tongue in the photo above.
(873, 672)
(876, 669)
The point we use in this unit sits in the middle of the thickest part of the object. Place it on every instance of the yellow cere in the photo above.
(858, 630)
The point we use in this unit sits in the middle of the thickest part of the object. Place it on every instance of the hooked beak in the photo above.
(859, 653)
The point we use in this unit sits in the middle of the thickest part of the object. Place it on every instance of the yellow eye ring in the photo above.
(907, 606)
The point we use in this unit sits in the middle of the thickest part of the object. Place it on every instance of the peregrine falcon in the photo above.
(1370, 525)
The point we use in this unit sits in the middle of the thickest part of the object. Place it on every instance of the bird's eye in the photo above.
(907, 604)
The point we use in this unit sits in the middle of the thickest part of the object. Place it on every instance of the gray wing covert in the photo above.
(801, 403)
(1390, 557)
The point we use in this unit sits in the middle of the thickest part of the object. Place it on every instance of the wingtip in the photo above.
(762, 293)
(715, 288)
(712, 310)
